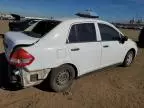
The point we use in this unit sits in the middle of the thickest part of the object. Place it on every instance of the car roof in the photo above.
(78, 20)
(69, 21)
(73, 20)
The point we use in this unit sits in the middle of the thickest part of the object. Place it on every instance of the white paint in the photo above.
(52, 50)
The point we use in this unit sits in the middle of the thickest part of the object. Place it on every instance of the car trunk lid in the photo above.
(12, 39)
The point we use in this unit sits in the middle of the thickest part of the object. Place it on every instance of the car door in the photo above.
(112, 48)
(83, 47)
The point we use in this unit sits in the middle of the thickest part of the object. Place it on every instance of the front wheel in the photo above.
(61, 78)
(128, 59)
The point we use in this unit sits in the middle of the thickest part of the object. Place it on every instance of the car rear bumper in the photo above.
(25, 78)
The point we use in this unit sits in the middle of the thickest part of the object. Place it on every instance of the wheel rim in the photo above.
(63, 77)
(129, 58)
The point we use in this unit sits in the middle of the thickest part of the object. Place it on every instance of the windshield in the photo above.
(42, 28)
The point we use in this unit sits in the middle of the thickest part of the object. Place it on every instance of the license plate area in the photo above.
(34, 77)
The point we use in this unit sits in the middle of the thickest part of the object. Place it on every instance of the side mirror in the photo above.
(123, 39)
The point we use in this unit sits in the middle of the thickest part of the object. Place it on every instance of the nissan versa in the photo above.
(64, 50)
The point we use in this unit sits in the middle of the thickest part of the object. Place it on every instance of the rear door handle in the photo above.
(75, 49)
(105, 46)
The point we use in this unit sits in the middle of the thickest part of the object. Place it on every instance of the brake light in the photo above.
(21, 58)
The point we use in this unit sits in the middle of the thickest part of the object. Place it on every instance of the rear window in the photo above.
(42, 28)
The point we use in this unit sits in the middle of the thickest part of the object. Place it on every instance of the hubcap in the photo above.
(129, 58)
(63, 77)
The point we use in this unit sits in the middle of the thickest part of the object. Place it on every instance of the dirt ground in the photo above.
(115, 87)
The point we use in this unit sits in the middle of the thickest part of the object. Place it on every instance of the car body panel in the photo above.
(12, 39)
(52, 50)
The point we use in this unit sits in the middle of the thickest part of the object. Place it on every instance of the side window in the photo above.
(108, 33)
(72, 35)
(82, 33)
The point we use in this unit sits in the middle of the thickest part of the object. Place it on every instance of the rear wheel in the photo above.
(61, 78)
(128, 59)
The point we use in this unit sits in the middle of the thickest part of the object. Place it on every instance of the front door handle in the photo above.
(105, 46)
(75, 49)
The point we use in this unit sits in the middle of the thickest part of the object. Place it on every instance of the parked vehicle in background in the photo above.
(21, 25)
(141, 38)
(64, 50)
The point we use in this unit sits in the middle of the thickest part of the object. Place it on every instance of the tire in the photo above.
(61, 78)
(128, 58)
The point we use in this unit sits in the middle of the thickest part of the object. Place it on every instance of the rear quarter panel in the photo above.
(50, 51)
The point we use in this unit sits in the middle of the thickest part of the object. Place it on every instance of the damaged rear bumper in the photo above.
(25, 78)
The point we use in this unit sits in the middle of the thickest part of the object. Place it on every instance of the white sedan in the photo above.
(61, 51)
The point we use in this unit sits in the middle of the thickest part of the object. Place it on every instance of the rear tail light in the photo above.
(21, 58)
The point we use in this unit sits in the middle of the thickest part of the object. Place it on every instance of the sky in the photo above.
(107, 9)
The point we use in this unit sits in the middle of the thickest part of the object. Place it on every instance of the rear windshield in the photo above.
(42, 28)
